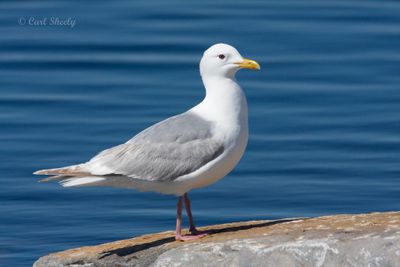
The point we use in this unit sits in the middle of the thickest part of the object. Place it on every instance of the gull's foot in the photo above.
(194, 231)
(189, 237)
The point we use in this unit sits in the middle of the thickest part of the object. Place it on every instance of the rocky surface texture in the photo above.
(340, 240)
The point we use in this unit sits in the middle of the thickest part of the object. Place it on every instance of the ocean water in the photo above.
(324, 111)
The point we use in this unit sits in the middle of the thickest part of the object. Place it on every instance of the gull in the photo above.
(191, 150)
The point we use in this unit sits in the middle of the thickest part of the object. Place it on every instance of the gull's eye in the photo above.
(221, 56)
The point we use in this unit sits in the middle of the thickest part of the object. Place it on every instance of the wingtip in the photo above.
(44, 172)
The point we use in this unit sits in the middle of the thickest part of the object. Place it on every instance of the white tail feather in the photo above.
(80, 181)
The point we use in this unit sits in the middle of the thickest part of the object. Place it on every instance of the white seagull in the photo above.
(190, 150)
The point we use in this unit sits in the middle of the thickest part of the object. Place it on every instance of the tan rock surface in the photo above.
(329, 239)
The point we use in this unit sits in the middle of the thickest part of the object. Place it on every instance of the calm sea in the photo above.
(324, 111)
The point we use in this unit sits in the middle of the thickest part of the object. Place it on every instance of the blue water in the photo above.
(324, 111)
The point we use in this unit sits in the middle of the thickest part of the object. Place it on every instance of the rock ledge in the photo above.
(339, 240)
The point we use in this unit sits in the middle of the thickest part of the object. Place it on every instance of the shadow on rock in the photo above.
(139, 247)
(136, 248)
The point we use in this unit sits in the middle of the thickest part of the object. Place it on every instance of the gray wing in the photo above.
(164, 151)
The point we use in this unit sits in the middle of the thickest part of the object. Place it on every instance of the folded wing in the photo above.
(163, 152)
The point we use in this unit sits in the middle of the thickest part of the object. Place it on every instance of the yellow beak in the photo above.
(248, 64)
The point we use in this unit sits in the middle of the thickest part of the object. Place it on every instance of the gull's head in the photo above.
(222, 60)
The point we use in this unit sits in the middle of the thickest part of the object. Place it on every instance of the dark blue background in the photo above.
(324, 111)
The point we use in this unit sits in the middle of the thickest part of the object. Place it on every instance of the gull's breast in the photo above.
(226, 106)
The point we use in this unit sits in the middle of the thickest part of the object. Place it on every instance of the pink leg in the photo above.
(178, 232)
(192, 228)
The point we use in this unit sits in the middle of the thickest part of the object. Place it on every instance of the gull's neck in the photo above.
(224, 103)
